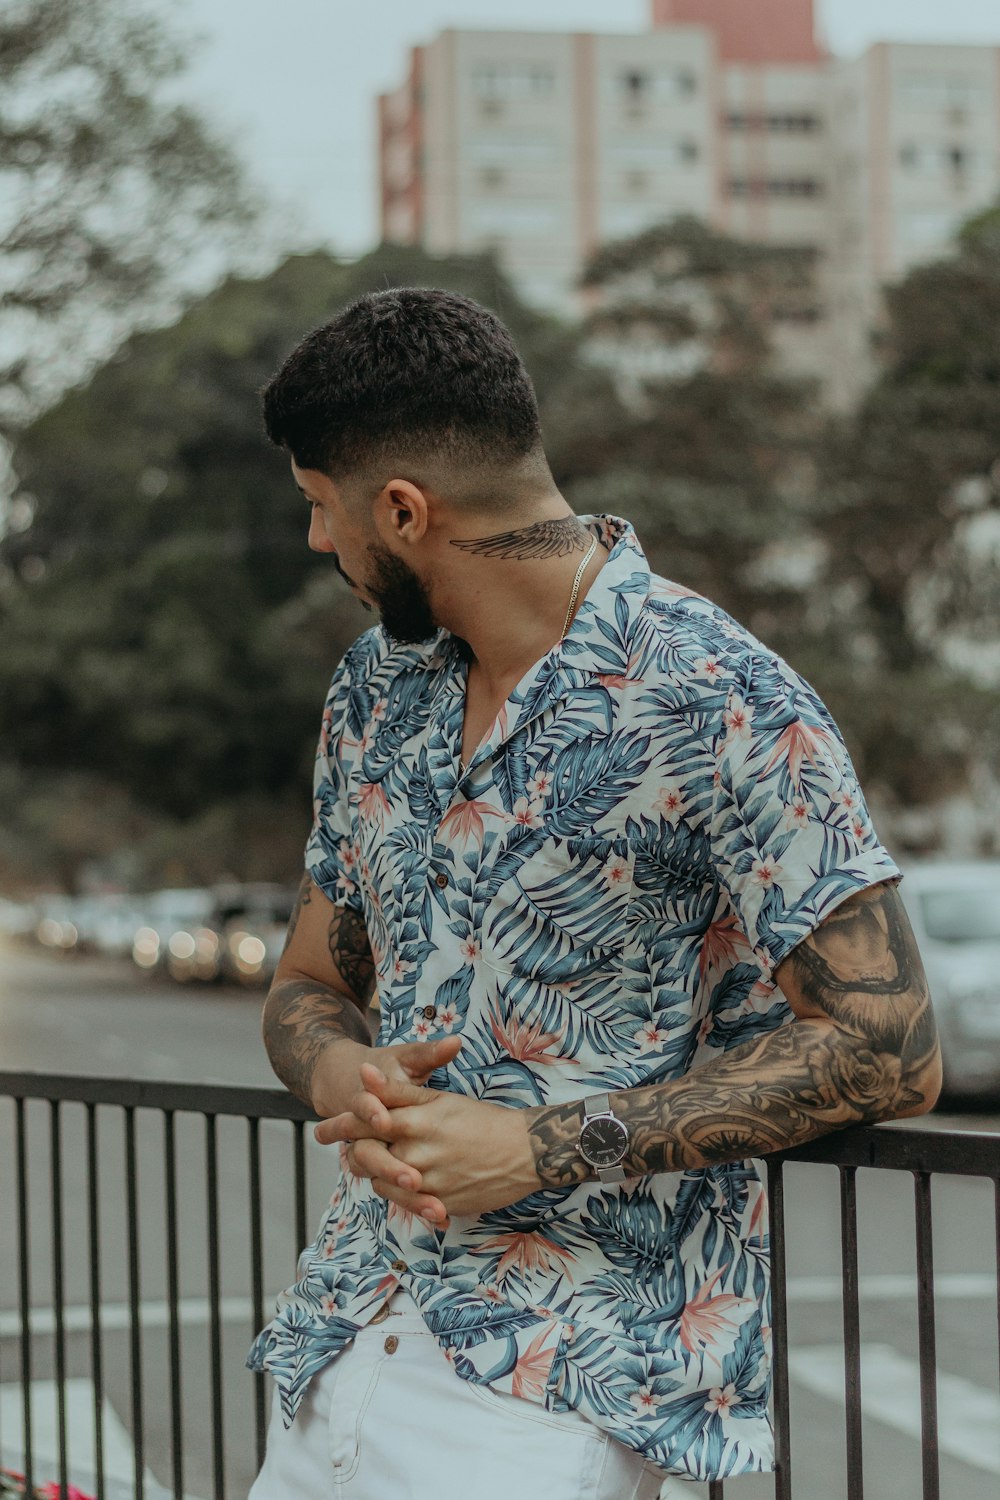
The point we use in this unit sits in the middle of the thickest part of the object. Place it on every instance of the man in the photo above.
(604, 860)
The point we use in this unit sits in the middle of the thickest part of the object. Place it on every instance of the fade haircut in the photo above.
(409, 376)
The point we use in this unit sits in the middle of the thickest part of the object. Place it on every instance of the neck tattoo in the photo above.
(570, 609)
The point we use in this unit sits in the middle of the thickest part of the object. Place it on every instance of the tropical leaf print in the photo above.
(660, 812)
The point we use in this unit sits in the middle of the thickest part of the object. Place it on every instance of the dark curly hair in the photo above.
(399, 375)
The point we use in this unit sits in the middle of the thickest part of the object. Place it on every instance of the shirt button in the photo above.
(391, 1344)
(429, 1012)
(441, 881)
(399, 1265)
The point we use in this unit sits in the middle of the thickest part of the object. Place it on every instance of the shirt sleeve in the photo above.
(791, 834)
(331, 852)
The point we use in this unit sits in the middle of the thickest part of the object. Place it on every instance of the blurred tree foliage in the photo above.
(168, 636)
(910, 512)
(111, 192)
(709, 448)
(166, 629)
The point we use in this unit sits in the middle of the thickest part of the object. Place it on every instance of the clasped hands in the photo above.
(431, 1152)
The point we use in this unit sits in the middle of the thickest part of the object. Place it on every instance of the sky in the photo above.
(293, 84)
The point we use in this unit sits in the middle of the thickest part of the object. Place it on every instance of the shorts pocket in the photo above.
(561, 913)
(360, 1367)
(517, 1409)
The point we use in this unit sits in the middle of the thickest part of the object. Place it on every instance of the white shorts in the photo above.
(389, 1419)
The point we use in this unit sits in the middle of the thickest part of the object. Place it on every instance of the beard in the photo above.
(402, 598)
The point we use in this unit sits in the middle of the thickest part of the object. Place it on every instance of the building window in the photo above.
(941, 91)
(775, 187)
(651, 150)
(505, 148)
(798, 124)
(937, 158)
(508, 82)
(642, 86)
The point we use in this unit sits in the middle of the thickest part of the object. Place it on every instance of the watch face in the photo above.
(603, 1142)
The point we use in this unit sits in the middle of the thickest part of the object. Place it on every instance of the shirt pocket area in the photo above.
(561, 915)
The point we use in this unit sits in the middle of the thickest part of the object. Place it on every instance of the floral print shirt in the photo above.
(662, 811)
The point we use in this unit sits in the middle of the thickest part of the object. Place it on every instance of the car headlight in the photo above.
(146, 947)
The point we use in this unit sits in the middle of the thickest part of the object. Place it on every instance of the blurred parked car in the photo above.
(56, 923)
(955, 912)
(234, 932)
(106, 923)
(17, 918)
(175, 936)
(254, 937)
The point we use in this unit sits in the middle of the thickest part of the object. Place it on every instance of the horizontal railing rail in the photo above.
(252, 1206)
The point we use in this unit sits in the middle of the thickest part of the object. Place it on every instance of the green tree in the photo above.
(109, 187)
(166, 628)
(911, 490)
(709, 445)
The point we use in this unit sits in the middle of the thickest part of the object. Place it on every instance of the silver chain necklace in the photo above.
(463, 765)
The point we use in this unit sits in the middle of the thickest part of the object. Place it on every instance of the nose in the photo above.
(318, 539)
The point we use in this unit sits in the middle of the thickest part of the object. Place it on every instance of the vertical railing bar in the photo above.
(996, 1213)
(96, 1346)
(931, 1489)
(779, 1331)
(257, 1280)
(135, 1331)
(215, 1311)
(300, 1186)
(58, 1289)
(852, 1331)
(173, 1304)
(24, 1292)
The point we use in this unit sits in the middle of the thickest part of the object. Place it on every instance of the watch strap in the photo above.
(611, 1174)
(597, 1104)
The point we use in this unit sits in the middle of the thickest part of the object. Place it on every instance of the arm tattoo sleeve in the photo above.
(301, 1017)
(864, 1048)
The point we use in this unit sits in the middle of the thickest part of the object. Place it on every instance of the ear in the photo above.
(401, 512)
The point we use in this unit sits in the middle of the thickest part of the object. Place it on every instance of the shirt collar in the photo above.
(599, 642)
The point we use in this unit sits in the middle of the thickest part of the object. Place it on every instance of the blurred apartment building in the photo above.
(545, 145)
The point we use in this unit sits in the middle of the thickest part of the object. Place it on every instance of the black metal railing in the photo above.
(144, 1221)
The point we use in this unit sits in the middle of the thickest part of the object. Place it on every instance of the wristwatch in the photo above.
(604, 1139)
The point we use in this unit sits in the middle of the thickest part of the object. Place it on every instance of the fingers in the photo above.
(419, 1059)
(395, 1180)
(424, 1205)
(368, 1158)
(394, 1093)
(350, 1127)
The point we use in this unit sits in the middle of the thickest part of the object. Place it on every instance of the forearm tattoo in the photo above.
(302, 1018)
(300, 1022)
(542, 539)
(878, 1060)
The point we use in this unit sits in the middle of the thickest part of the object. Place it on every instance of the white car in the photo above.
(955, 912)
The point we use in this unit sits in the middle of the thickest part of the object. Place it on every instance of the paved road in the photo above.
(98, 1018)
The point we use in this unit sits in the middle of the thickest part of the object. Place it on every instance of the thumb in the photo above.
(419, 1059)
(394, 1092)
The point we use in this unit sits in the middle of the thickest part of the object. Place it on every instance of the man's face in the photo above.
(376, 575)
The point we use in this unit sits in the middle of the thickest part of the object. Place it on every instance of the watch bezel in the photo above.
(604, 1161)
